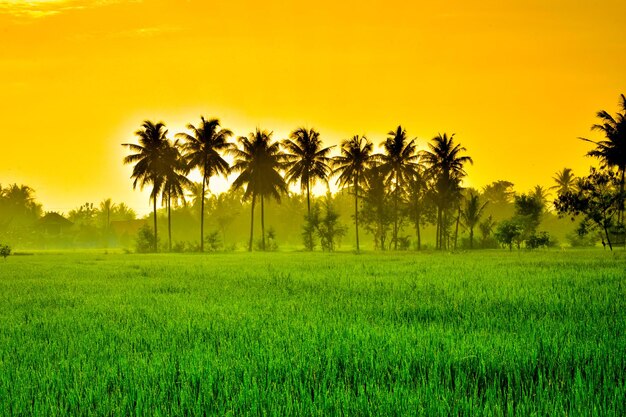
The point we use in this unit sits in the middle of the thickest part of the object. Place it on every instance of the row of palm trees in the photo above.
(267, 167)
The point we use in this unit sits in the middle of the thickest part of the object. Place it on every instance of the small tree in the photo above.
(145, 240)
(509, 232)
(597, 197)
(5, 251)
(528, 211)
(328, 228)
(310, 226)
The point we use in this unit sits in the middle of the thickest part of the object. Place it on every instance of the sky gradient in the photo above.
(516, 81)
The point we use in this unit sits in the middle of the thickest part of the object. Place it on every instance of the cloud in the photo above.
(35, 9)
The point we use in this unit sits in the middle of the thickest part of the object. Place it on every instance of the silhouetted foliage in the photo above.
(397, 164)
(5, 251)
(612, 151)
(471, 214)
(539, 240)
(213, 242)
(327, 225)
(148, 162)
(446, 163)
(377, 213)
(144, 242)
(528, 211)
(564, 180)
(597, 198)
(204, 150)
(351, 167)
(306, 161)
(258, 162)
(509, 232)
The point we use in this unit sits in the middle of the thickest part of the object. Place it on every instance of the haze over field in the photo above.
(517, 82)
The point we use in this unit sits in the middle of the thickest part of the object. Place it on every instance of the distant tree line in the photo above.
(393, 196)
(396, 186)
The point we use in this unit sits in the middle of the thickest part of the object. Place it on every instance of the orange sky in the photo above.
(517, 81)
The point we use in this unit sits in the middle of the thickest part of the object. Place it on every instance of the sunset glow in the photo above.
(517, 82)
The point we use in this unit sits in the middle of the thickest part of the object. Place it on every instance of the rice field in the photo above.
(491, 333)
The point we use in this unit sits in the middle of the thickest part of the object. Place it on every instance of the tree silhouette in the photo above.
(445, 161)
(564, 181)
(106, 208)
(350, 166)
(147, 157)
(612, 151)
(175, 181)
(471, 214)
(203, 150)
(258, 160)
(306, 161)
(398, 164)
(540, 194)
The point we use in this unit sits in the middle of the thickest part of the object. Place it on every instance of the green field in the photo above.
(486, 333)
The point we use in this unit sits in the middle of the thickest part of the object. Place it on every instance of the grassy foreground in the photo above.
(492, 333)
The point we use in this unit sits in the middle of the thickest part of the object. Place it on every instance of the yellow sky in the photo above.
(517, 81)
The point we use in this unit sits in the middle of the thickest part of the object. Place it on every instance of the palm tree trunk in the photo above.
(169, 219)
(356, 210)
(252, 223)
(156, 249)
(262, 223)
(621, 204)
(417, 231)
(308, 210)
(471, 236)
(456, 230)
(438, 239)
(395, 216)
(202, 215)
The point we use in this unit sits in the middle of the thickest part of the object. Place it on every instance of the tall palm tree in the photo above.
(471, 214)
(307, 160)
(612, 151)
(203, 150)
(259, 162)
(446, 163)
(564, 181)
(398, 163)
(351, 165)
(175, 181)
(147, 158)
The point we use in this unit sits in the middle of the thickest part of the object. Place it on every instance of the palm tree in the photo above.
(471, 214)
(259, 161)
(351, 165)
(306, 160)
(203, 150)
(540, 194)
(612, 151)
(564, 180)
(398, 164)
(175, 181)
(446, 163)
(106, 207)
(147, 158)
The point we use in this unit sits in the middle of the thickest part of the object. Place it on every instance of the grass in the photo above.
(486, 333)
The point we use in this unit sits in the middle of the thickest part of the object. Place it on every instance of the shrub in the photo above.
(5, 251)
(145, 240)
(539, 240)
(212, 242)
